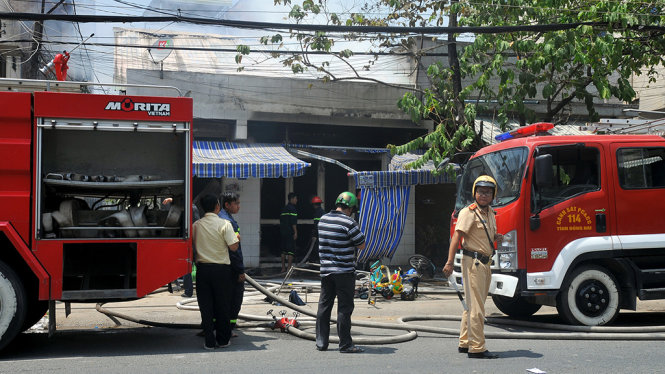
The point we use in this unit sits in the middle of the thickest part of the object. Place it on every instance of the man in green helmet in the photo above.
(339, 237)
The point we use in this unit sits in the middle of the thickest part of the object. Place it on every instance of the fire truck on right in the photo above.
(582, 218)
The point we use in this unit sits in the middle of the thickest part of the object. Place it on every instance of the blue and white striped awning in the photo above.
(378, 179)
(235, 160)
(382, 218)
(384, 204)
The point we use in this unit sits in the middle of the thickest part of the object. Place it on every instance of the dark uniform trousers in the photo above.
(340, 286)
(213, 291)
(237, 294)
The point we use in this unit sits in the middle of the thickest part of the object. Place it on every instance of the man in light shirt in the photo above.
(214, 238)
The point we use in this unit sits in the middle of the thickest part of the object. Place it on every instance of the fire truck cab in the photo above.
(580, 221)
(83, 181)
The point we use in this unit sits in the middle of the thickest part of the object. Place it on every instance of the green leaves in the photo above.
(320, 42)
(297, 68)
(242, 50)
(505, 75)
(309, 6)
(346, 53)
(297, 13)
(277, 38)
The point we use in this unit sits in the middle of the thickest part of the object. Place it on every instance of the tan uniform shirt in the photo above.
(213, 236)
(475, 238)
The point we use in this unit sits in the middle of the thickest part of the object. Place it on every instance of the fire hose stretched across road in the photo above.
(571, 332)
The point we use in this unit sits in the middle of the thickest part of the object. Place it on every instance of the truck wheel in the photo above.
(589, 296)
(515, 306)
(12, 304)
(35, 311)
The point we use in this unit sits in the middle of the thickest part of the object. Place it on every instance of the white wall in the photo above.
(248, 217)
(407, 245)
(651, 94)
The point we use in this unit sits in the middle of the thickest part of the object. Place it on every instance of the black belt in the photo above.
(203, 264)
(480, 257)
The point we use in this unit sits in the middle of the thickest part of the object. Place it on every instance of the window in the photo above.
(576, 170)
(506, 167)
(641, 167)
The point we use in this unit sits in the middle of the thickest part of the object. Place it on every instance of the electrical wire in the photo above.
(233, 50)
(328, 28)
(353, 9)
(27, 29)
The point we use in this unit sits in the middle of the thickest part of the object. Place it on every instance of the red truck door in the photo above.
(640, 190)
(575, 207)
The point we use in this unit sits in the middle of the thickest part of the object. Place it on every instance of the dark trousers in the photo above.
(213, 291)
(237, 295)
(342, 287)
(188, 284)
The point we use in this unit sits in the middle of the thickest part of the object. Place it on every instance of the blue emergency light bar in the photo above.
(521, 132)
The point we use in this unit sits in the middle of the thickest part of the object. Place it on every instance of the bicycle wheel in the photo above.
(422, 264)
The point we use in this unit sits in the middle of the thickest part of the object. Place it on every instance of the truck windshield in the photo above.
(506, 167)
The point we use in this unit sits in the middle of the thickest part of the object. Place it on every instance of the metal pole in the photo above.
(81, 43)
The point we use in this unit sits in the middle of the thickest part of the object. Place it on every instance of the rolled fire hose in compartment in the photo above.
(107, 179)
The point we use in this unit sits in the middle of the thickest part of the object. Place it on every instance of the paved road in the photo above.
(80, 347)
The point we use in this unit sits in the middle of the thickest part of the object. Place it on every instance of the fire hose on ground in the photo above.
(571, 332)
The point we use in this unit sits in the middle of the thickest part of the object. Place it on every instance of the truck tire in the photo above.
(35, 311)
(515, 306)
(589, 296)
(12, 304)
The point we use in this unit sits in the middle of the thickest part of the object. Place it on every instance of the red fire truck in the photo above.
(83, 178)
(580, 219)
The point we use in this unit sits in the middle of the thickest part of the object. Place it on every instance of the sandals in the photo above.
(352, 349)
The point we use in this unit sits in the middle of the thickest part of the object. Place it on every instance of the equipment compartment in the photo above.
(112, 183)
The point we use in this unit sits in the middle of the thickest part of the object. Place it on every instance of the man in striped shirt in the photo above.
(339, 236)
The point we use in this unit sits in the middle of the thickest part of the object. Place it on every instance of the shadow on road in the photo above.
(122, 342)
(518, 353)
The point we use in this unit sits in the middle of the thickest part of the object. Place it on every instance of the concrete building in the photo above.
(350, 122)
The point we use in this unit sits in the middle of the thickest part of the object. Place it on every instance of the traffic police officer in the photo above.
(475, 226)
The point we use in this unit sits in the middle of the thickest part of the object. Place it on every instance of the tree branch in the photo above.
(565, 101)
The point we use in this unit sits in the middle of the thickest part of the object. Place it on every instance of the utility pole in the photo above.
(453, 61)
(38, 34)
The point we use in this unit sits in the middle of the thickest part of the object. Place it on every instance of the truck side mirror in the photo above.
(534, 222)
(543, 171)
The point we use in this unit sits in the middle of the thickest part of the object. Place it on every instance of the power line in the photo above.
(234, 50)
(86, 18)
(493, 5)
